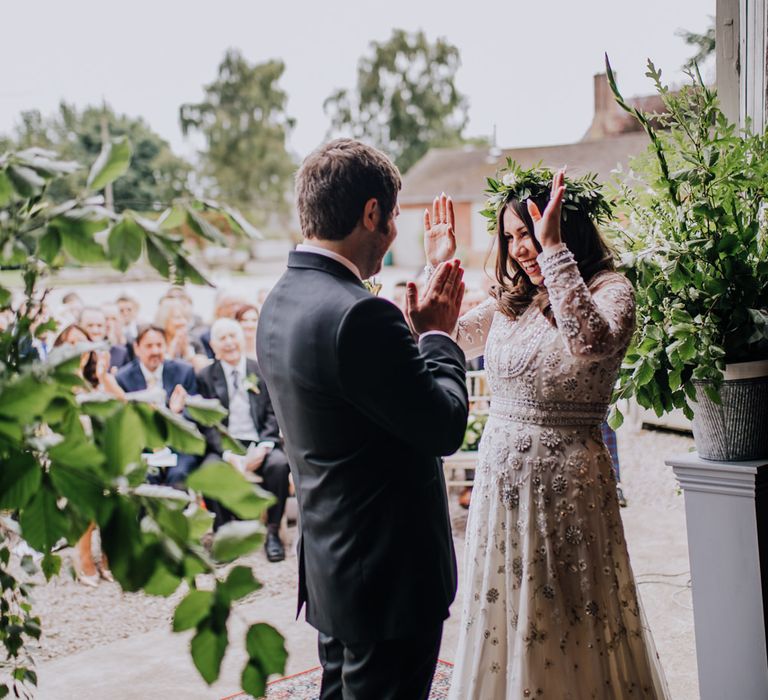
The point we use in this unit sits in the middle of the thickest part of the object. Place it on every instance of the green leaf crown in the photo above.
(514, 181)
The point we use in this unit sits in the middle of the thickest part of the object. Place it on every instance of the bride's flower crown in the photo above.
(513, 181)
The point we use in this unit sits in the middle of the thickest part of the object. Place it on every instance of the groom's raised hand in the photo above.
(438, 309)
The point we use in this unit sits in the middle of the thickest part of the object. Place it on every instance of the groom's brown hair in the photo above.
(334, 183)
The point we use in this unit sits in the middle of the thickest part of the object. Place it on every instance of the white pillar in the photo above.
(726, 509)
(752, 59)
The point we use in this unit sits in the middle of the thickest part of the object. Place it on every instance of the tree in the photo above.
(703, 43)
(154, 179)
(68, 459)
(244, 123)
(405, 101)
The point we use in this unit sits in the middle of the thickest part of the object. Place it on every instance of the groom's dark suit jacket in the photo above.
(364, 413)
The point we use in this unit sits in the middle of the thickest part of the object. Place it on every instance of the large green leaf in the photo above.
(239, 583)
(205, 411)
(26, 398)
(224, 483)
(234, 539)
(74, 453)
(194, 608)
(82, 487)
(157, 258)
(6, 189)
(113, 161)
(202, 227)
(266, 649)
(265, 643)
(42, 523)
(162, 582)
(25, 180)
(182, 435)
(20, 478)
(49, 245)
(124, 243)
(208, 649)
(123, 440)
(81, 246)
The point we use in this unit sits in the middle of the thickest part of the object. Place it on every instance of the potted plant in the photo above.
(694, 240)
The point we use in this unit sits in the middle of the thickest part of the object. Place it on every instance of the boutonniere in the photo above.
(251, 384)
(373, 286)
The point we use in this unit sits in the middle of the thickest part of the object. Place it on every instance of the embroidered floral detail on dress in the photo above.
(559, 484)
(550, 438)
(523, 442)
(492, 595)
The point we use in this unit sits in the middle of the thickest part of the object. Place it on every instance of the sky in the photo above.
(526, 67)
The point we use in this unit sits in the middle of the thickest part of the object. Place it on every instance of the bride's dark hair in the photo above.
(513, 290)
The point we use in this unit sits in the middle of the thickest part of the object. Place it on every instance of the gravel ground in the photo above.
(77, 618)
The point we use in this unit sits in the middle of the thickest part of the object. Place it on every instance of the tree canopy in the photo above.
(405, 100)
(154, 178)
(244, 122)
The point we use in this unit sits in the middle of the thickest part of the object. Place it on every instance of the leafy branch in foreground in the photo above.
(70, 456)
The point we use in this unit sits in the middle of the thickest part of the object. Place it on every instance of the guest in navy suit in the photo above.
(150, 369)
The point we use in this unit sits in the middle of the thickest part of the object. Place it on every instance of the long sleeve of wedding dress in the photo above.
(593, 324)
(472, 329)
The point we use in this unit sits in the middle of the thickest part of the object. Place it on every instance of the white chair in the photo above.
(479, 403)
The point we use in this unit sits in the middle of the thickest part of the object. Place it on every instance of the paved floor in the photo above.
(156, 664)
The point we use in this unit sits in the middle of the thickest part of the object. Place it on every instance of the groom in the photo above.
(365, 413)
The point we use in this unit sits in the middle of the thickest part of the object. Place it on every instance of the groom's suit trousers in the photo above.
(393, 669)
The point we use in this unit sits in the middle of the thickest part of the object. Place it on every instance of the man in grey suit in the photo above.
(366, 411)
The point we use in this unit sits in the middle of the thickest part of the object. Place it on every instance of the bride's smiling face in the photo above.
(521, 246)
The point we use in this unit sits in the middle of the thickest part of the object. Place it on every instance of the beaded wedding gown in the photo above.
(550, 607)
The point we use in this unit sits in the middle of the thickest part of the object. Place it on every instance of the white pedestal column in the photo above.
(726, 508)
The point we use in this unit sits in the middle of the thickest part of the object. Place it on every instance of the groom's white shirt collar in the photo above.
(309, 248)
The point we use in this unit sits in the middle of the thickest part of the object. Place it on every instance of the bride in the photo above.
(550, 607)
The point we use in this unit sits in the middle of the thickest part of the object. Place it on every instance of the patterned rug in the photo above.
(306, 685)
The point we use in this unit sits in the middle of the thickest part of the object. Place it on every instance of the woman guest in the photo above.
(173, 317)
(94, 368)
(248, 318)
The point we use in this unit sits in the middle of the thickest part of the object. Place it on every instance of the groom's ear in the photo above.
(371, 214)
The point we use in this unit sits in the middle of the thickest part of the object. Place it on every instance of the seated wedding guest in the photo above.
(248, 318)
(94, 368)
(236, 382)
(71, 306)
(94, 321)
(129, 316)
(225, 306)
(174, 380)
(173, 317)
(115, 334)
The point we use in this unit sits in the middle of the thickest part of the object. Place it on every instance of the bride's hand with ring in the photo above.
(439, 231)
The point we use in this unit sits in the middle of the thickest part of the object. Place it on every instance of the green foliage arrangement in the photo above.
(584, 193)
(69, 457)
(475, 426)
(406, 100)
(695, 243)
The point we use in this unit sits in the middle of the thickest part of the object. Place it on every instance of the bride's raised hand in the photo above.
(546, 226)
(439, 231)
